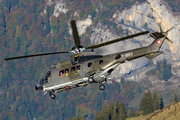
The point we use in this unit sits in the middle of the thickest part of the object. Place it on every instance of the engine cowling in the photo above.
(117, 56)
(75, 60)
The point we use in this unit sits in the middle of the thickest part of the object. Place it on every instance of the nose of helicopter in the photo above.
(38, 87)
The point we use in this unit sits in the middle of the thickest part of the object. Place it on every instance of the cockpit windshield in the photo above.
(44, 79)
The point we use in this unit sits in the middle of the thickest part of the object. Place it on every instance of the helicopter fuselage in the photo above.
(89, 67)
(66, 75)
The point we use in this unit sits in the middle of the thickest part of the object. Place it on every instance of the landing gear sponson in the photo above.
(91, 80)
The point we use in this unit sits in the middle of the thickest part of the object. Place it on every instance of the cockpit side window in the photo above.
(41, 82)
(61, 73)
(48, 74)
(78, 67)
(44, 79)
(90, 64)
(101, 62)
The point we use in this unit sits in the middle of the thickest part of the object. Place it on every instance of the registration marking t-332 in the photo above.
(127, 55)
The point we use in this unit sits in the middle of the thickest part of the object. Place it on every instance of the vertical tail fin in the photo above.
(157, 43)
(159, 37)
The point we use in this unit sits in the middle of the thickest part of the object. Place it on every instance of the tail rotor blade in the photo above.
(170, 29)
(160, 27)
(169, 40)
(165, 33)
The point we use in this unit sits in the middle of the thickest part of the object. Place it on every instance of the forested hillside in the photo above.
(26, 29)
(162, 70)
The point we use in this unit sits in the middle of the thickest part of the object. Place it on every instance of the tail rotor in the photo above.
(165, 33)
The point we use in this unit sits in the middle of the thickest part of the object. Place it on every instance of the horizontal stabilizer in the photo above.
(153, 54)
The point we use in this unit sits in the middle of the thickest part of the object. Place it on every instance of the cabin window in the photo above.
(73, 69)
(101, 62)
(61, 73)
(90, 64)
(78, 67)
(66, 72)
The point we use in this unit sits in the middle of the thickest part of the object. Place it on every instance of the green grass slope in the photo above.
(168, 113)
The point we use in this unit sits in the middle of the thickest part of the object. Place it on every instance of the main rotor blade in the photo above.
(18, 57)
(117, 40)
(75, 33)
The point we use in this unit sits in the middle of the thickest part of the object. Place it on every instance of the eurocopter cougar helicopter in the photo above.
(86, 67)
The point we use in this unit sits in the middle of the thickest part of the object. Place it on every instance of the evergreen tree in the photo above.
(162, 70)
(98, 116)
(132, 114)
(123, 113)
(110, 110)
(118, 109)
(122, 81)
(2, 19)
(161, 103)
(82, 117)
(166, 70)
(141, 103)
(49, 10)
(147, 103)
(175, 98)
(156, 104)
(75, 118)
(114, 115)
(104, 113)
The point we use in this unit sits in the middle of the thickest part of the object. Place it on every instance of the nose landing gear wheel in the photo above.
(102, 87)
(90, 79)
(52, 95)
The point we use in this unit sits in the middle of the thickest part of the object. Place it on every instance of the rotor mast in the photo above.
(77, 48)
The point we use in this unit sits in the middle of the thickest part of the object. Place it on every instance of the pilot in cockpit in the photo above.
(41, 82)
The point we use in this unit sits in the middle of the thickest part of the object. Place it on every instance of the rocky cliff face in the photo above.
(149, 14)
(139, 18)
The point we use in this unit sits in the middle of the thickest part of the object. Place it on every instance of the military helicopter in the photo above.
(86, 67)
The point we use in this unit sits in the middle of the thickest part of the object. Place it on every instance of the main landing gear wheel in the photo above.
(90, 79)
(102, 87)
(52, 95)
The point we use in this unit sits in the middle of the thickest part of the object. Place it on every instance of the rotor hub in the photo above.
(78, 49)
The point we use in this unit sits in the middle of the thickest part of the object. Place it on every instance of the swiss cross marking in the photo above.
(159, 42)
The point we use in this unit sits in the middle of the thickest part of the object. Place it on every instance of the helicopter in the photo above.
(87, 67)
